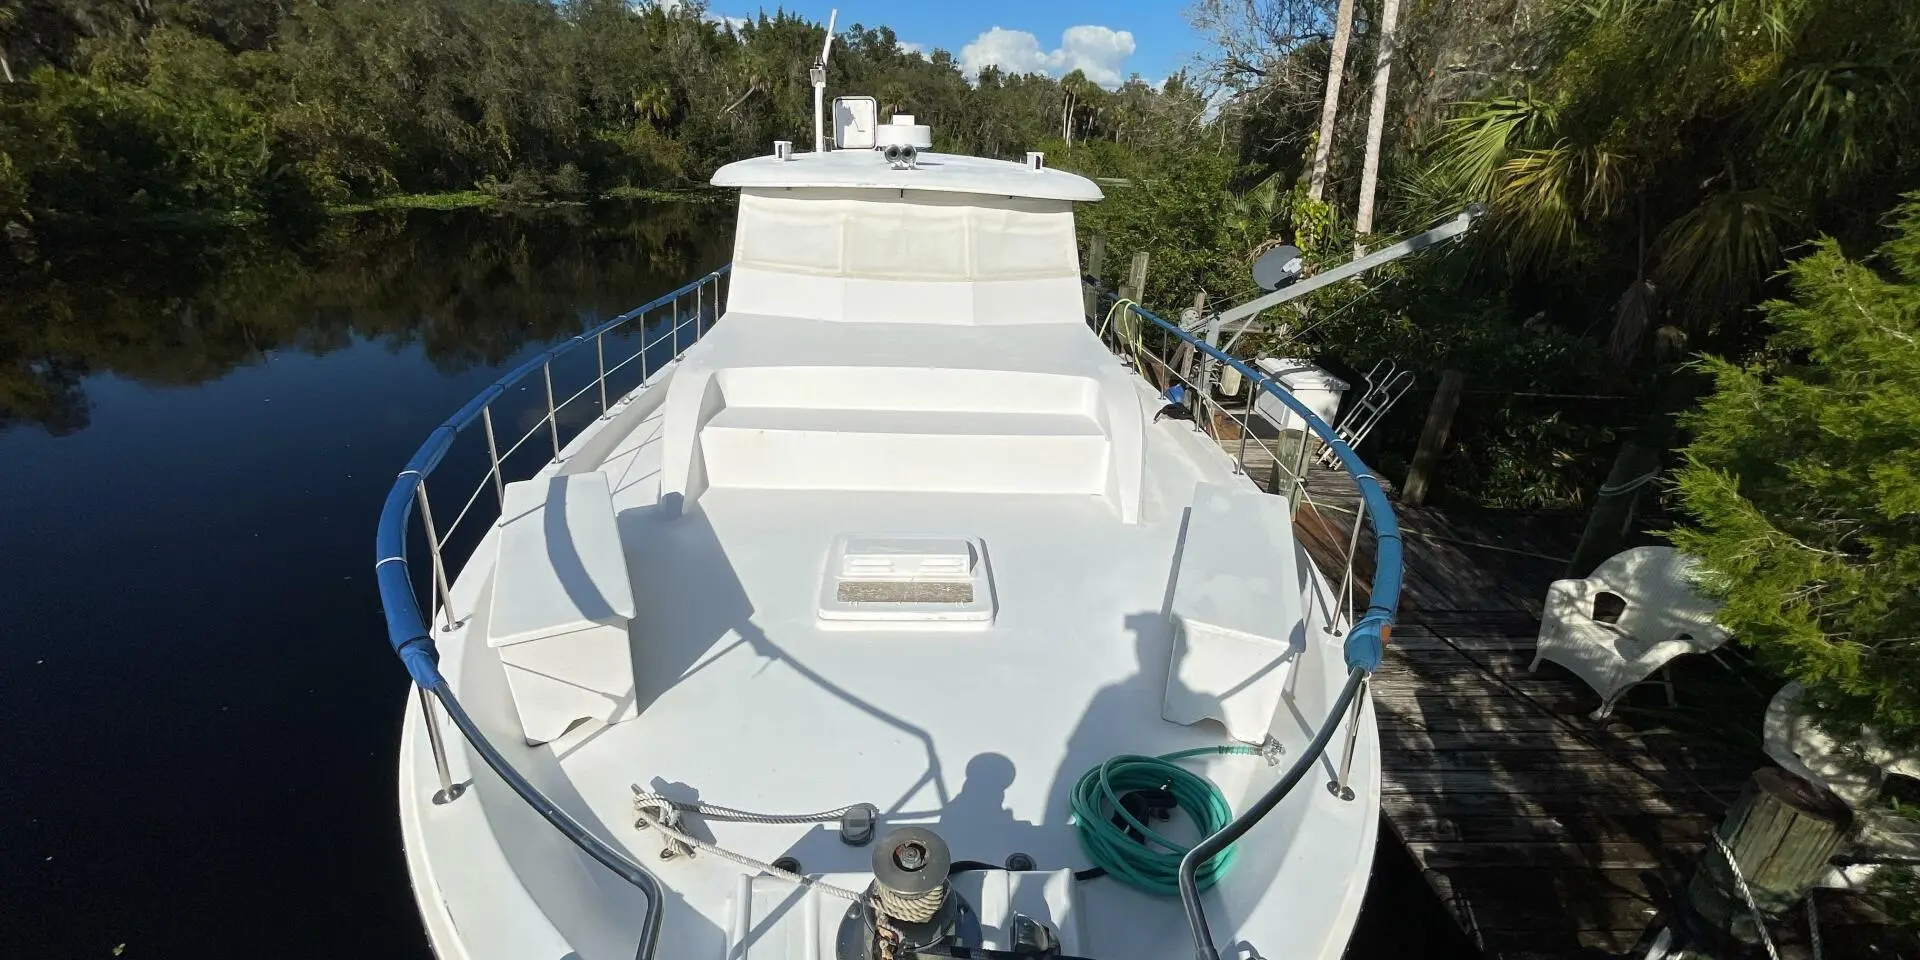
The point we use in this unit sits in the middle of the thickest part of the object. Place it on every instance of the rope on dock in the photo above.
(1740, 881)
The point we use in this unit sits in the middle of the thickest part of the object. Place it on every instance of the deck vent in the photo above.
(1036, 160)
(783, 150)
(902, 581)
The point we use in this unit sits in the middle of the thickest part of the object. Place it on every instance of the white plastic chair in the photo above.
(1801, 748)
(1663, 617)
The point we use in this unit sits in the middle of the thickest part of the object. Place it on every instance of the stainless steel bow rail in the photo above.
(409, 631)
(1365, 629)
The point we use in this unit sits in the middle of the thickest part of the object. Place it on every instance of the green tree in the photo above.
(1804, 480)
(1677, 149)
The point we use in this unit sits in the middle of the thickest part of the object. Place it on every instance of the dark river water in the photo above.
(198, 708)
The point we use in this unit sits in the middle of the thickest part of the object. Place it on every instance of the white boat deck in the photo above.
(936, 382)
(746, 700)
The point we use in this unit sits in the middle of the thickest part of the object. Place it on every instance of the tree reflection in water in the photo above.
(471, 287)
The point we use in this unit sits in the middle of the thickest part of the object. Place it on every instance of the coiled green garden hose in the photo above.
(1151, 864)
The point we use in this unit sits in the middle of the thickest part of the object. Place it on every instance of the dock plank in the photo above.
(1545, 833)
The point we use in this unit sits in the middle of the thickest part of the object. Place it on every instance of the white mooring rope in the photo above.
(1813, 927)
(1740, 881)
(658, 813)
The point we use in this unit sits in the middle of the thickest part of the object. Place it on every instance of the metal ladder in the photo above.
(1385, 384)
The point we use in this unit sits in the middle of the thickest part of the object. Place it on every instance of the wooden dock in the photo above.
(1545, 833)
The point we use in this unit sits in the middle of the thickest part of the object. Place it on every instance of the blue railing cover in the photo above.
(1366, 642)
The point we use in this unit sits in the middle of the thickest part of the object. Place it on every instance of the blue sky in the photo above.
(1109, 40)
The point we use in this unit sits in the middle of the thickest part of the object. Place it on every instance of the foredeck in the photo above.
(748, 695)
(746, 699)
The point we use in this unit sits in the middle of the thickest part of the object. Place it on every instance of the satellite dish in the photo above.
(1278, 267)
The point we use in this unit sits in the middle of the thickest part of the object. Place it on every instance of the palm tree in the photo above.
(1078, 93)
(1330, 105)
(7, 16)
(1376, 118)
(1692, 143)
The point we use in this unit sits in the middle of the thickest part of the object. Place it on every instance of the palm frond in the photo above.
(1605, 172)
(1714, 254)
(1702, 42)
(1544, 194)
(1421, 195)
(1828, 120)
(1535, 207)
(1473, 145)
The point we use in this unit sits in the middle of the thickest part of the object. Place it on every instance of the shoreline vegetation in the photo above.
(469, 199)
(1648, 174)
(191, 219)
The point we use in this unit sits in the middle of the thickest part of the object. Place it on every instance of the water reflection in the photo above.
(471, 287)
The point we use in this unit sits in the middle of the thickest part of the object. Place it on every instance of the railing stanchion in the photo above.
(600, 358)
(1299, 480)
(1353, 550)
(553, 417)
(699, 309)
(641, 351)
(433, 550)
(493, 455)
(1246, 424)
(1338, 786)
(449, 791)
(676, 328)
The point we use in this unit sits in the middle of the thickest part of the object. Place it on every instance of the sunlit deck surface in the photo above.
(747, 699)
(1545, 833)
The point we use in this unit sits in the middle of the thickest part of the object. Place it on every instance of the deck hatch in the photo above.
(896, 581)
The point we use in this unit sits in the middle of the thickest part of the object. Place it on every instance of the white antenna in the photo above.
(819, 74)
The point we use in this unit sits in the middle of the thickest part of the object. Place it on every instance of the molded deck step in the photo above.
(957, 451)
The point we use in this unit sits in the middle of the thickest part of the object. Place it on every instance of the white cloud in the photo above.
(673, 6)
(1099, 52)
(913, 48)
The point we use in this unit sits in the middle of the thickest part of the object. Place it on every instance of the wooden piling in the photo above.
(1137, 275)
(1096, 261)
(1433, 437)
(1782, 832)
(1183, 354)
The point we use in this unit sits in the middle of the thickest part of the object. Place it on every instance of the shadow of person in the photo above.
(1119, 711)
(976, 823)
(979, 825)
(1125, 717)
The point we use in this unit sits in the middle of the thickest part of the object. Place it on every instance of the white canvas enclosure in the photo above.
(907, 256)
